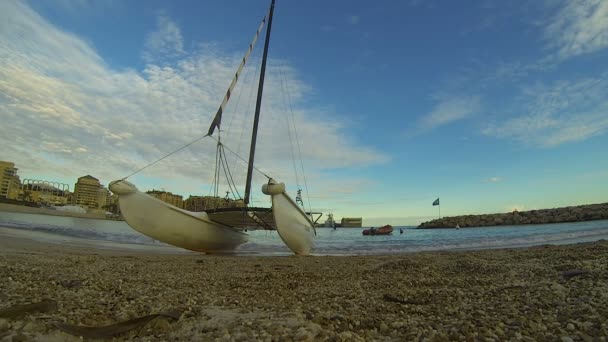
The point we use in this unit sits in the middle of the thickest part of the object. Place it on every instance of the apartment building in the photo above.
(9, 181)
(167, 197)
(89, 193)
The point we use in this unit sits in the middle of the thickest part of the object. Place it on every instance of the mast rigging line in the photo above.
(218, 116)
(189, 144)
(293, 121)
(238, 156)
(167, 155)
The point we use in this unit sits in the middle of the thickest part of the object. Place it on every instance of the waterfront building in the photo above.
(104, 198)
(88, 193)
(9, 180)
(202, 203)
(44, 192)
(167, 197)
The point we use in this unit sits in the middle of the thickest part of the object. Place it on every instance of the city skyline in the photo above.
(489, 106)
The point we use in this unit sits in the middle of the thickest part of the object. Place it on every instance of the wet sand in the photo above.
(529, 294)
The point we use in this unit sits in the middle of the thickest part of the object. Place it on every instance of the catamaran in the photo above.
(222, 229)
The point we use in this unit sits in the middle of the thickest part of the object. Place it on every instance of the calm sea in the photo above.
(342, 241)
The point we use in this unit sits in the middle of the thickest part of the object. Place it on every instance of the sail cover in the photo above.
(217, 120)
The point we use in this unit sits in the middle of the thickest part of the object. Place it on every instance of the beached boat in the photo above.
(224, 228)
(384, 230)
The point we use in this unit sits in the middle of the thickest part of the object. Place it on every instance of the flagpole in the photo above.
(439, 210)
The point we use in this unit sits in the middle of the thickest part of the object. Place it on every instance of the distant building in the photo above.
(88, 192)
(44, 192)
(112, 204)
(167, 197)
(9, 181)
(352, 222)
(202, 203)
(104, 198)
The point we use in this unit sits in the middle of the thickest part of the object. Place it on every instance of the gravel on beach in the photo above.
(550, 293)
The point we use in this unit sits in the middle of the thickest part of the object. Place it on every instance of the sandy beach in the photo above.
(540, 293)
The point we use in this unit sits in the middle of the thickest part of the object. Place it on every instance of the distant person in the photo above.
(400, 230)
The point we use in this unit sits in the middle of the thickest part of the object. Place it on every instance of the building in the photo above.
(9, 181)
(202, 203)
(167, 197)
(112, 204)
(352, 222)
(88, 193)
(104, 198)
(44, 192)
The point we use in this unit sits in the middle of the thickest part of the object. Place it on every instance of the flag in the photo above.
(436, 202)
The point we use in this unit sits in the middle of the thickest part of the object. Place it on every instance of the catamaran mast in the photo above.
(258, 105)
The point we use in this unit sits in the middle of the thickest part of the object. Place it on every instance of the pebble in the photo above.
(4, 325)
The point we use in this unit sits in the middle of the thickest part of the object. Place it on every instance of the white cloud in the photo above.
(563, 112)
(578, 27)
(66, 113)
(494, 180)
(448, 110)
(166, 43)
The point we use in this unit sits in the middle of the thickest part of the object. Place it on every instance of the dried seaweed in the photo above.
(113, 329)
(573, 273)
(18, 310)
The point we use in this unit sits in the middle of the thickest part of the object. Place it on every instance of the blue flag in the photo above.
(436, 202)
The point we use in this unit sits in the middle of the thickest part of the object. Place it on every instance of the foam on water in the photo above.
(342, 241)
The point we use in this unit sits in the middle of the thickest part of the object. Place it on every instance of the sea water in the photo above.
(340, 241)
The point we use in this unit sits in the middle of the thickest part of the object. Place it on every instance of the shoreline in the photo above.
(498, 294)
(15, 208)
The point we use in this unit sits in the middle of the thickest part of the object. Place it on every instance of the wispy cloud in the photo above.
(566, 111)
(448, 110)
(353, 19)
(493, 180)
(77, 7)
(67, 113)
(577, 28)
(164, 43)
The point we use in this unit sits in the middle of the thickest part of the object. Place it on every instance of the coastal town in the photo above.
(88, 197)
(92, 199)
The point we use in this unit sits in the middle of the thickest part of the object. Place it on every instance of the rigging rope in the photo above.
(241, 158)
(299, 147)
(167, 155)
(231, 183)
(291, 148)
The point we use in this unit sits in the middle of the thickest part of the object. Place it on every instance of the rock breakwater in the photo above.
(556, 215)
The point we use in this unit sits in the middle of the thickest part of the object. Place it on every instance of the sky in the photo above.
(488, 105)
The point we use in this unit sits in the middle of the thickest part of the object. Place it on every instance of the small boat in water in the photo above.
(384, 230)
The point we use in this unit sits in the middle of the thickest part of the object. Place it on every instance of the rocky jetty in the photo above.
(556, 215)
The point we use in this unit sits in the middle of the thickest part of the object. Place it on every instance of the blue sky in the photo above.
(489, 105)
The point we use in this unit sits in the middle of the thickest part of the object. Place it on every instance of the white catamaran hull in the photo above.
(172, 225)
(294, 227)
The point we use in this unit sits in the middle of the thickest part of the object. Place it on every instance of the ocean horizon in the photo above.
(341, 241)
